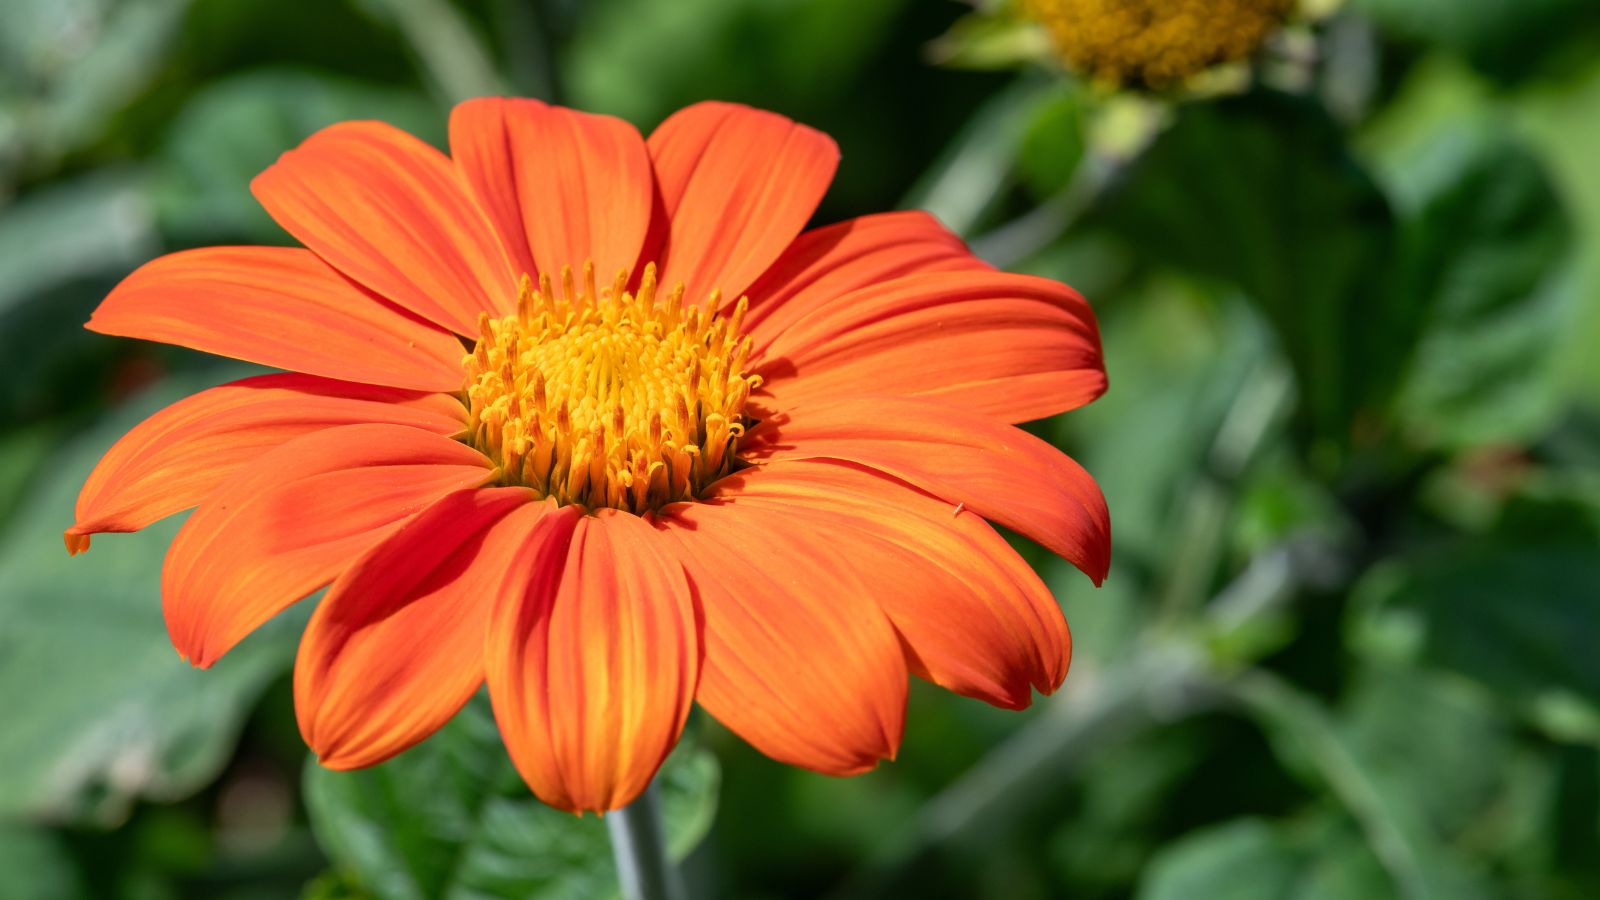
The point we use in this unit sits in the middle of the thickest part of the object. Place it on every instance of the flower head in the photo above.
(588, 418)
(1156, 42)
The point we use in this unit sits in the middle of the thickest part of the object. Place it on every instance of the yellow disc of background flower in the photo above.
(1156, 42)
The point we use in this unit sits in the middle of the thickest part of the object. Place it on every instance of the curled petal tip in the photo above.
(76, 542)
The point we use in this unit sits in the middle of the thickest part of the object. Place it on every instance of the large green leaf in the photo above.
(1520, 615)
(1260, 193)
(1435, 744)
(1356, 776)
(1321, 858)
(1484, 239)
(99, 710)
(1247, 859)
(450, 818)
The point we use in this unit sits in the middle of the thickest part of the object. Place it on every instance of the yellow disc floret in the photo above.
(1156, 42)
(615, 398)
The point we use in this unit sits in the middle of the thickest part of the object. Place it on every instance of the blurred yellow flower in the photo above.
(1156, 42)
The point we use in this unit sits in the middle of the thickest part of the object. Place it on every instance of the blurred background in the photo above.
(1350, 646)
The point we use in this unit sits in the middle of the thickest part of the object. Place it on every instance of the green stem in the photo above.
(640, 852)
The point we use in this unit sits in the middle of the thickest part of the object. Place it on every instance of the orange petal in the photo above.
(974, 617)
(738, 184)
(280, 307)
(799, 659)
(392, 213)
(1015, 347)
(396, 647)
(174, 459)
(593, 670)
(294, 519)
(561, 186)
(995, 471)
(826, 262)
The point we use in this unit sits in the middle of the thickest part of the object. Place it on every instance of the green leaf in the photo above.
(1518, 614)
(79, 64)
(1246, 859)
(969, 176)
(1413, 855)
(1485, 237)
(1054, 144)
(238, 126)
(1510, 39)
(1259, 193)
(1319, 857)
(779, 54)
(95, 225)
(99, 708)
(450, 818)
(37, 866)
(1437, 745)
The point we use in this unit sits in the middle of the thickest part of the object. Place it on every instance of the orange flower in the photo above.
(751, 470)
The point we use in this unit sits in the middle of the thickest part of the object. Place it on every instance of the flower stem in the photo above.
(641, 855)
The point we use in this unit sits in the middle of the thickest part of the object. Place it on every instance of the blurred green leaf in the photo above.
(1053, 145)
(969, 176)
(238, 126)
(1436, 745)
(450, 818)
(1510, 39)
(94, 225)
(1484, 242)
(1319, 858)
(451, 52)
(1519, 614)
(1243, 860)
(1558, 119)
(99, 709)
(781, 51)
(37, 866)
(1414, 856)
(1259, 192)
(77, 64)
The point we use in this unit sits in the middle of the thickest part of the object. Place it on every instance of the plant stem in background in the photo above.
(640, 852)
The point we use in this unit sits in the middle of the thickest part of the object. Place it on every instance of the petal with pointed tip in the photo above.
(179, 456)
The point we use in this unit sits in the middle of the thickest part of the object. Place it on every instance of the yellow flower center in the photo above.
(1156, 42)
(627, 400)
